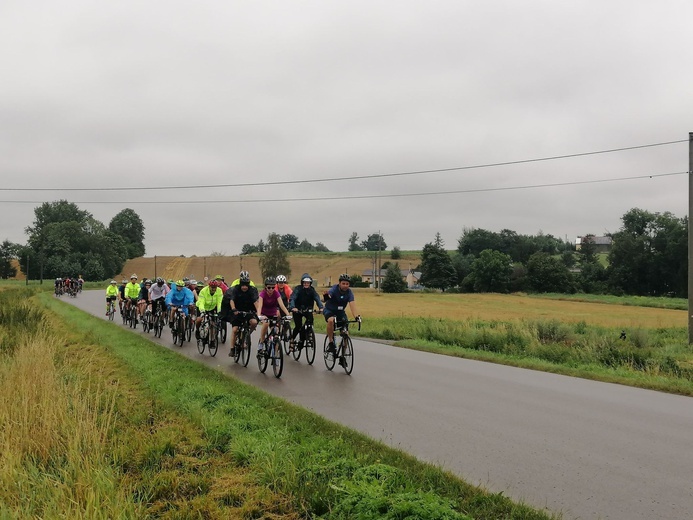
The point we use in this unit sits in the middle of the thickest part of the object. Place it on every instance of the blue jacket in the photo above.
(181, 298)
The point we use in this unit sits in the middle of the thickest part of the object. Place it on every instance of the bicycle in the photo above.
(344, 351)
(242, 344)
(178, 329)
(159, 320)
(111, 310)
(273, 348)
(209, 333)
(147, 319)
(190, 322)
(286, 335)
(131, 313)
(308, 334)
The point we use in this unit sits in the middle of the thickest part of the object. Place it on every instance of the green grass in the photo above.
(636, 301)
(177, 419)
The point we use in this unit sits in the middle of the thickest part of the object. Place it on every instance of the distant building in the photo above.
(410, 276)
(601, 244)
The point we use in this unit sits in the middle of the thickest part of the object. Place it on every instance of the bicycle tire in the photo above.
(213, 344)
(286, 336)
(238, 345)
(347, 354)
(262, 360)
(245, 351)
(223, 332)
(329, 357)
(201, 339)
(277, 358)
(310, 346)
(146, 321)
(297, 351)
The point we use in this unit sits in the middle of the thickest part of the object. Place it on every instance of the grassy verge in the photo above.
(658, 359)
(637, 301)
(162, 436)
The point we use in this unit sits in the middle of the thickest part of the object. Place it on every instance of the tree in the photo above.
(374, 242)
(248, 249)
(546, 273)
(396, 253)
(129, 225)
(393, 282)
(8, 253)
(491, 272)
(353, 242)
(649, 255)
(436, 266)
(289, 242)
(66, 241)
(305, 246)
(275, 260)
(321, 247)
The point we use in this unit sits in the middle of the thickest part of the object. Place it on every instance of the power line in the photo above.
(358, 177)
(357, 197)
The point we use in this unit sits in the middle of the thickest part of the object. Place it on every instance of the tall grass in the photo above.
(652, 358)
(53, 461)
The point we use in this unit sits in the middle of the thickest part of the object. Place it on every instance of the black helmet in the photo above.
(270, 280)
(344, 278)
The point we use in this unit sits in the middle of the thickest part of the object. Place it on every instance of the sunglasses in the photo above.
(269, 286)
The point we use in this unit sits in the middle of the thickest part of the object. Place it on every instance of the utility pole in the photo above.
(690, 238)
(380, 261)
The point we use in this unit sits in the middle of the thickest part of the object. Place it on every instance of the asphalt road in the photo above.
(583, 448)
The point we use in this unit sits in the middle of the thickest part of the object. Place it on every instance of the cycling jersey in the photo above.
(207, 301)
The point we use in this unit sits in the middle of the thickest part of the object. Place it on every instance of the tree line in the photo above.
(648, 257)
(66, 241)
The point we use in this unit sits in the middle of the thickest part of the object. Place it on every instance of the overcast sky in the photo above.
(132, 94)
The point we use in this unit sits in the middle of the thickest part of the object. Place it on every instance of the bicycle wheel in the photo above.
(222, 332)
(213, 345)
(146, 321)
(329, 356)
(158, 325)
(346, 361)
(201, 339)
(277, 358)
(262, 360)
(310, 346)
(133, 317)
(297, 350)
(124, 316)
(111, 312)
(238, 344)
(286, 336)
(245, 348)
(189, 326)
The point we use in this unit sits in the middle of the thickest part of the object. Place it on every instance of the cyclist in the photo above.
(132, 292)
(220, 280)
(240, 297)
(58, 285)
(243, 275)
(304, 296)
(143, 300)
(271, 303)
(336, 300)
(181, 297)
(111, 293)
(196, 287)
(157, 295)
(209, 300)
(121, 295)
(284, 290)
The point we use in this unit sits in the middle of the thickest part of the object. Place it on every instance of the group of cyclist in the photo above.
(238, 302)
(70, 285)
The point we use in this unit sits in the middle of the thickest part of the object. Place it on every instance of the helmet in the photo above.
(306, 278)
(125, 281)
(244, 274)
(113, 281)
(218, 277)
(270, 280)
(180, 283)
(57, 279)
(159, 280)
(147, 282)
(193, 282)
(213, 283)
(244, 280)
(186, 279)
(281, 278)
(133, 276)
(344, 278)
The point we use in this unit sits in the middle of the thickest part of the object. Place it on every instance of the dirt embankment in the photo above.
(324, 269)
